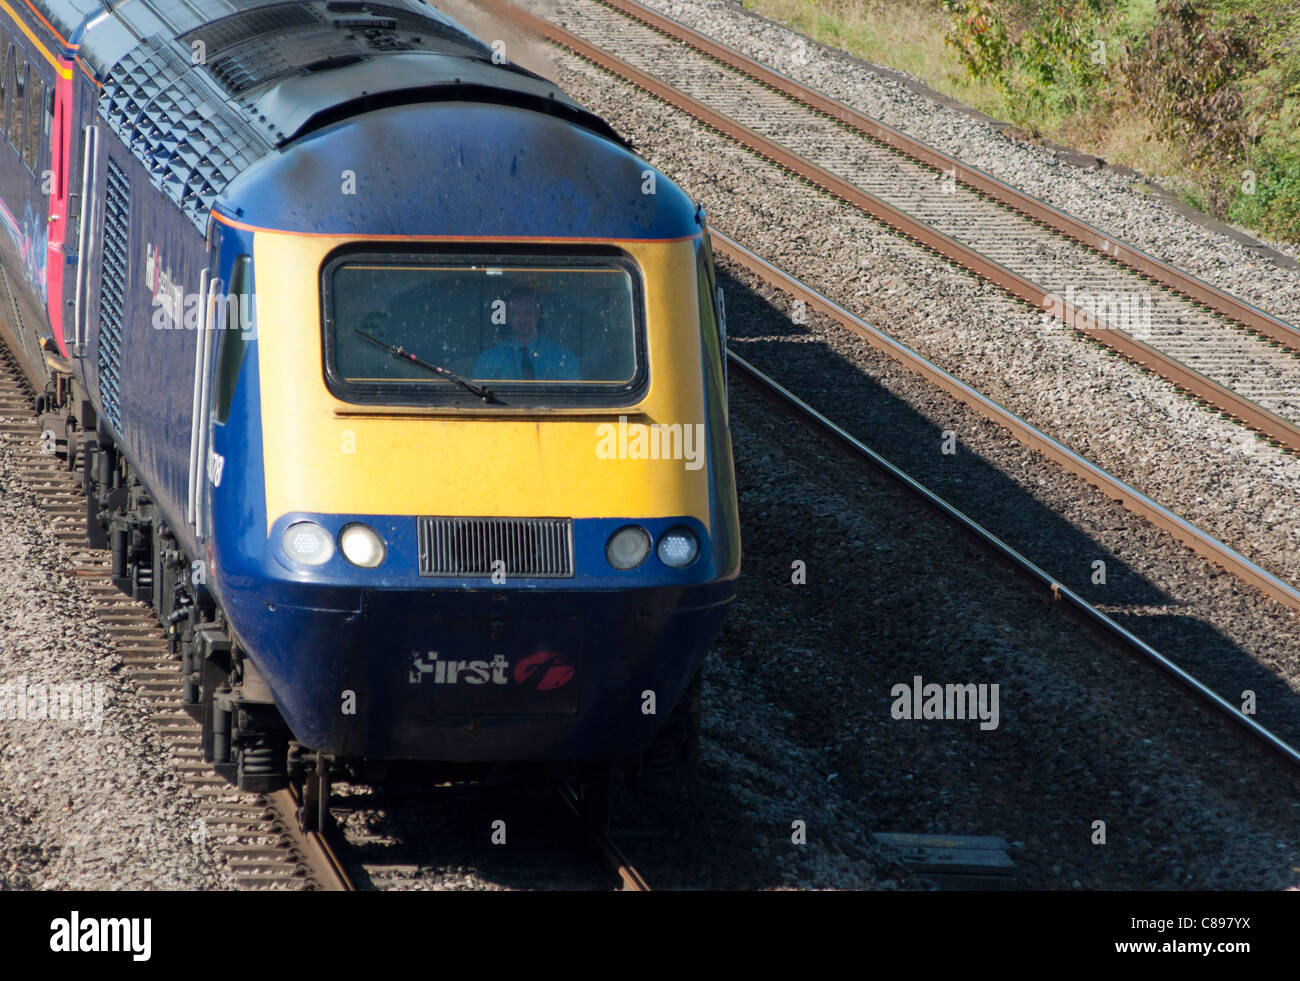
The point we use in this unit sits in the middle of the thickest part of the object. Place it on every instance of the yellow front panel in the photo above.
(328, 456)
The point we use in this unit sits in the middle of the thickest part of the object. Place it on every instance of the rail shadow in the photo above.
(800, 357)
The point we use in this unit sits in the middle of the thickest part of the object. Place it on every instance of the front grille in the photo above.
(527, 548)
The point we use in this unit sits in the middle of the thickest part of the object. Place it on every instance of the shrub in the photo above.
(1186, 72)
(1274, 207)
(1044, 53)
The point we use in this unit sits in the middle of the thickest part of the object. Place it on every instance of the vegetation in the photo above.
(1203, 94)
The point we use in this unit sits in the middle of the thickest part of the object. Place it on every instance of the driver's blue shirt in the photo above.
(550, 361)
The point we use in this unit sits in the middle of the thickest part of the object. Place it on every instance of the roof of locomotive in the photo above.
(470, 171)
(199, 97)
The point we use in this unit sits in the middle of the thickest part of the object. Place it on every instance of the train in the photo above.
(395, 377)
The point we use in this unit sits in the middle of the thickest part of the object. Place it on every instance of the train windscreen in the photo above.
(404, 328)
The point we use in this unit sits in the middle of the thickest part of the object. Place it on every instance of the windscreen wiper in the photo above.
(399, 352)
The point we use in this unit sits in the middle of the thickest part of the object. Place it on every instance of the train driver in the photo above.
(526, 353)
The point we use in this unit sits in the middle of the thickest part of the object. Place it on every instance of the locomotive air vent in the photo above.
(117, 216)
(249, 25)
(249, 48)
(190, 141)
(528, 548)
(362, 23)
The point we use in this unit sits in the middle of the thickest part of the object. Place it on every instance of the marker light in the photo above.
(308, 543)
(362, 545)
(678, 547)
(628, 547)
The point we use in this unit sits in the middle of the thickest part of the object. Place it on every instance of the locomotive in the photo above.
(396, 379)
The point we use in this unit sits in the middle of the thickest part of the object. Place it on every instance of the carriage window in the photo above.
(16, 97)
(552, 329)
(36, 125)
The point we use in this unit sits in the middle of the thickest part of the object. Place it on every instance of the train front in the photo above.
(472, 494)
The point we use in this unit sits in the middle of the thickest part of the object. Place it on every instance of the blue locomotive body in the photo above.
(396, 376)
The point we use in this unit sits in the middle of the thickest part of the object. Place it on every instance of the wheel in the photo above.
(72, 446)
(672, 759)
(314, 812)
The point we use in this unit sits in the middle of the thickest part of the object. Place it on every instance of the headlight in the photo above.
(362, 546)
(628, 547)
(678, 547)
(308, 543)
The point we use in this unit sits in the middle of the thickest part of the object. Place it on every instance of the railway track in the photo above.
(1214, 348)
(254, 834)
(258, 836)
(1198, 540)
(630, 879)
(406, 832)
(1034, 573)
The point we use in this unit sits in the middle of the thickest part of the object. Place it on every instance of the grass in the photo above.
(909, 35)
(896, 33)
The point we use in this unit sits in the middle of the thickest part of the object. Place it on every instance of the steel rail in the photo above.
(631, 879)
(314, 846)
(1050, 584)
(1228, 402)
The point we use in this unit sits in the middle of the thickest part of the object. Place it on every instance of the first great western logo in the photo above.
(543, 671)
